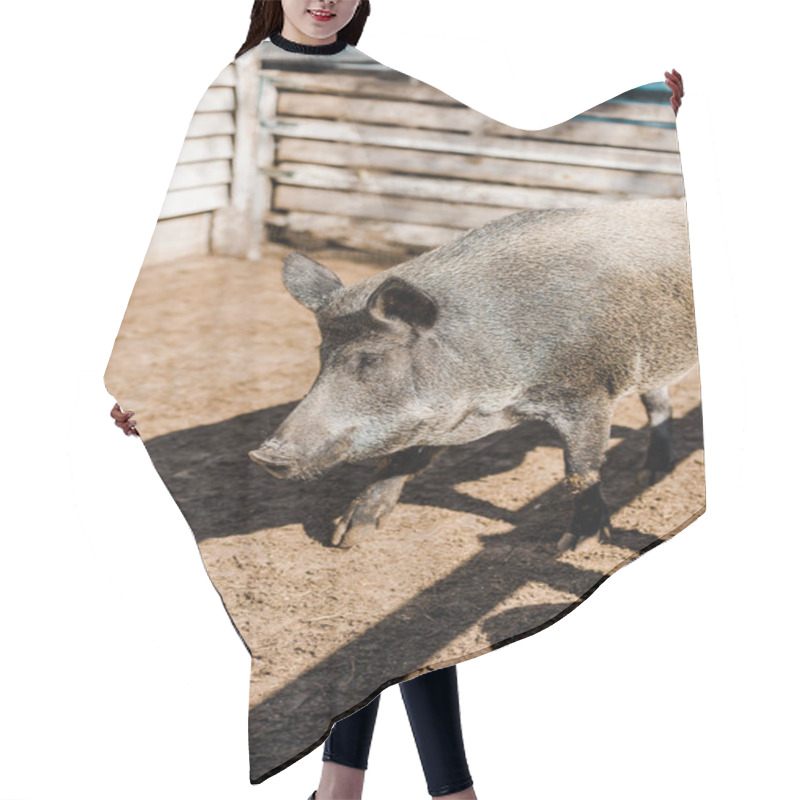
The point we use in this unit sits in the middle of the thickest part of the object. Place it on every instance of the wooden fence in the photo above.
(368, 160)
(371, 159)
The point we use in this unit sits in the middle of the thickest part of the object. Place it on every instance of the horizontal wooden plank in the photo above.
(364, 234)
(596, 132)
(178, 238)
(386, 112)
(206, 148)
(359, 86)
(227, 77)
(414, 90)
(211, 124)
(217, 98)
(192, 201)
(407, 209)
(446, 190)
(476, 144)
(371, 206)
(648, 93)
(643, 112)
(495, 170)
(466, 120)
(201, 173)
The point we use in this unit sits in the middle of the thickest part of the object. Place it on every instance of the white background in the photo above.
(122, 676)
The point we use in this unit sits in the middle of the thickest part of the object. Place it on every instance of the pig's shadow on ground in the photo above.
(469, 594)
(221, 492)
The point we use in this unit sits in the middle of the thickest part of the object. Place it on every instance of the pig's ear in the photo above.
(395, 299)
(308, 281)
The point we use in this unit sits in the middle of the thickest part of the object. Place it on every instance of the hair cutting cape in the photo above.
(361, 169)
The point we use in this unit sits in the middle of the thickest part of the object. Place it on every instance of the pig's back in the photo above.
(604, 290)
(573, 245)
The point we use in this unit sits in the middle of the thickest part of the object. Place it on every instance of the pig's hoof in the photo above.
(365, 514)
(347, 533)
(588, 543)
(357, 524)
(571, 541)
(566, 542)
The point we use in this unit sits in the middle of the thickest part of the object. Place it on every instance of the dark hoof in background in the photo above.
(571, 541)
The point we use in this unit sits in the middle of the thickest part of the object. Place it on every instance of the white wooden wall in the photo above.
(202, 179)
(373, 160)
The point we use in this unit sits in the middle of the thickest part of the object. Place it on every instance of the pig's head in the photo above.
(381, 380)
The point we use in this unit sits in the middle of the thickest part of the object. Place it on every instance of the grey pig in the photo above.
(542, 314)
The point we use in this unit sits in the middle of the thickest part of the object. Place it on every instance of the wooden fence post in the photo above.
(232, 227)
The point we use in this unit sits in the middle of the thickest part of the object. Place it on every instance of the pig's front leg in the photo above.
(376, 502)
(585, 438)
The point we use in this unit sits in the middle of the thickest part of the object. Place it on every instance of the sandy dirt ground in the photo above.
(212, 355)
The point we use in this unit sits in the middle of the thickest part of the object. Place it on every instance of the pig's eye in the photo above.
(367, 360)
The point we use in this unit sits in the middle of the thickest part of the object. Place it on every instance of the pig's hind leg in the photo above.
(585, 433)
(660, 454)
(377, 501)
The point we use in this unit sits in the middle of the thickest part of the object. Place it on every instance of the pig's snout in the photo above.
(274, 458)
(290, 459)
